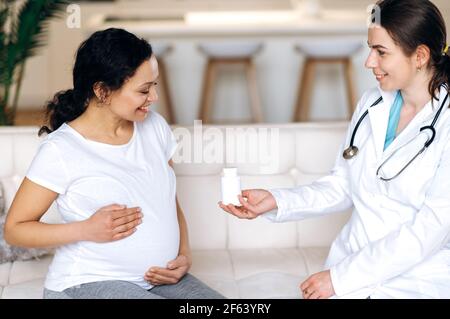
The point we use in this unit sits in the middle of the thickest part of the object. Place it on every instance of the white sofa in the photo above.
(239, 258)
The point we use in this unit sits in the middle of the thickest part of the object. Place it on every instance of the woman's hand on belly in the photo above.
(176, 269)
(111, 223)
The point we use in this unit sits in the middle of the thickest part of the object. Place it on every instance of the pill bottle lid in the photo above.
(230, 172)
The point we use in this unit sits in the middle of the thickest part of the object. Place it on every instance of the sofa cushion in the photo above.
(214, 268)
(328, 226)
(18, 145)
(261, 150)
(275, 273)
(318, 157)
(5, 269)
(206, 221)
(23, 271)
(33, 289)
(194, 156)
(315, 258)
(251, 262)
(270, 285)
(226, 287)
(240, 273)
(10, 185)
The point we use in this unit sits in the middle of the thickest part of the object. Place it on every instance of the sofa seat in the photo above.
(241, 273)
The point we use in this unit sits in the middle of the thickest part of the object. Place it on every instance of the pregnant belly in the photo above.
(129, 257)
(155, 242)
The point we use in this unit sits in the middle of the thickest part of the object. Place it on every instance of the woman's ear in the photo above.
(423, 56)
(101, 92)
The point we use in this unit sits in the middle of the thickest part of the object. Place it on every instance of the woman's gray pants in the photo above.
(188, 287)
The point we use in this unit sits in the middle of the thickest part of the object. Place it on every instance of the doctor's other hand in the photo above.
(254, 203)
(111, 223)
(318, 286)
(176, 269)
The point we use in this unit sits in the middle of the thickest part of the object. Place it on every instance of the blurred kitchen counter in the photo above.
(174, 18)
(278, 64)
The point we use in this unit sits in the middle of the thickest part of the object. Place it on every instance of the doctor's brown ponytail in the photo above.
(412, 23)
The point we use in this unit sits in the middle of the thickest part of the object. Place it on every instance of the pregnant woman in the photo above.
(107, 162)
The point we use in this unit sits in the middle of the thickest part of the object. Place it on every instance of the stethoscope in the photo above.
(352, 150)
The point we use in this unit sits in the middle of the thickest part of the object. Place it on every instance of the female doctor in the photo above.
(394, 168)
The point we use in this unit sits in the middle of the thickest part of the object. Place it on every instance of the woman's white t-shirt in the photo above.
(89, 175)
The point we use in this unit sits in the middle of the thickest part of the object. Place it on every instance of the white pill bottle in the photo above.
(231, 186)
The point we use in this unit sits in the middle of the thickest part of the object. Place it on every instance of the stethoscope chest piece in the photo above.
(350, 152)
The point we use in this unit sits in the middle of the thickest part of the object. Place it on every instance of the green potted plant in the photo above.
(23, 27)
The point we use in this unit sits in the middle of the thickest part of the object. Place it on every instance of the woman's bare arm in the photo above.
(23, 228)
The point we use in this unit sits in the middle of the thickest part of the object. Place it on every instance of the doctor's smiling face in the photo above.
(391, 67)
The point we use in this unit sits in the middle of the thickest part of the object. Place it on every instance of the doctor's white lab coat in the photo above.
(397, 241)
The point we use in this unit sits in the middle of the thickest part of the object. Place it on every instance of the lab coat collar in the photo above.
(379, 116)
(423, 118)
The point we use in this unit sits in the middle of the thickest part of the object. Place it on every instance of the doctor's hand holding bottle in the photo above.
(254, 203)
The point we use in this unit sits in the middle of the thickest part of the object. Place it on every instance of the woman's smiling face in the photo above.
(133, 99)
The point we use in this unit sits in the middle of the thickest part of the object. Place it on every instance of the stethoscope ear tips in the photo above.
(350, 152)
